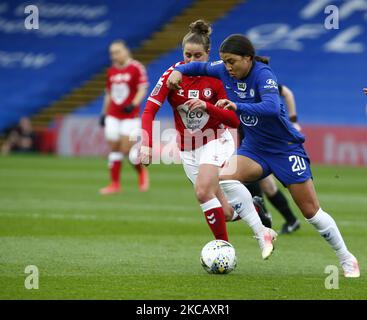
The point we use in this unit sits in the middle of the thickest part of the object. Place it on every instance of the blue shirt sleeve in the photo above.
(267, 87)
(210, 69)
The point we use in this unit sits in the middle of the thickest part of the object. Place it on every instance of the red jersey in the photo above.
(191, 125)
(122, 84)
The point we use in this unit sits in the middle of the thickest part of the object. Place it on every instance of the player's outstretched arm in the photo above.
(211, 69)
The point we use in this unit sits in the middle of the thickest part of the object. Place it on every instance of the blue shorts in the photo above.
(288, 166)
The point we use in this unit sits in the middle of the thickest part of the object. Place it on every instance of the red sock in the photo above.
(215, 218)
(115, 168)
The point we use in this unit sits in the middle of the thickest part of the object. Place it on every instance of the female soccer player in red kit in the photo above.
(195, 118)
(126, 88)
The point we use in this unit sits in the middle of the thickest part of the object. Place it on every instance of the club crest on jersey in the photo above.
(241, 86)
(207, 93)
(193, 94)
(249, 121)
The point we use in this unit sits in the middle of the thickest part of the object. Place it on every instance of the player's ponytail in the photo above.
(262, 59)
(240, 45)
(199, 33)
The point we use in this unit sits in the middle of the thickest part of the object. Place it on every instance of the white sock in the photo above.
(114, 156)
(328, 229)
(240, 199)
(211, 204)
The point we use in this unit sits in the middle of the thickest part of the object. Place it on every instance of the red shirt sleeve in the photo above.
(154, 102)
(142, 77)
(227, 117)
(147, 118)
(161, 91)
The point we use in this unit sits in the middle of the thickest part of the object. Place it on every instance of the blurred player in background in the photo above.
(268, 184)
(20, 139)
(126, 88)
(202, 154)
(365, 91)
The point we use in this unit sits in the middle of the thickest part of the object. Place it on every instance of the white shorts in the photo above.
(215, 152)
(115, 128)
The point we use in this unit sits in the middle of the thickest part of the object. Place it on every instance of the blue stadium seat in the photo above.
(37, 67)
(326, 68)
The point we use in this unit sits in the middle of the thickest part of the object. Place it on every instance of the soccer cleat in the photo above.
(350, 267)
(143, 180)
(266, 242)
(113, 187)
(288, 228)
(265, 217)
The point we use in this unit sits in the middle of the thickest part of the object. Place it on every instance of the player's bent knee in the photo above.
(114, 145)
(268, 187)
(203, 194)
(309, 209)
(125, 150)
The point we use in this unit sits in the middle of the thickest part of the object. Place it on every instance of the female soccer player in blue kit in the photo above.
(271, 144)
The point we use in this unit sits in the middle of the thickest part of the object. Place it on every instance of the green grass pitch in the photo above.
(147, 246)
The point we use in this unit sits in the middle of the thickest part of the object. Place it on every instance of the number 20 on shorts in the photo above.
(298, 163)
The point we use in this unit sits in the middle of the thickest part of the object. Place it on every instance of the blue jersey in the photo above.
(264, 120)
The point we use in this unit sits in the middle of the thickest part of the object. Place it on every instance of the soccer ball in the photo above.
(219, 257)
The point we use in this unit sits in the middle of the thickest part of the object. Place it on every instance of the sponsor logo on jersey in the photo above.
(119, 92)
(157, 87)
(193, 94)
(241, 95)
(241, 86)
(193, 120)
(271, 84)
(249, 121)
(120, 77)
(207, 93)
